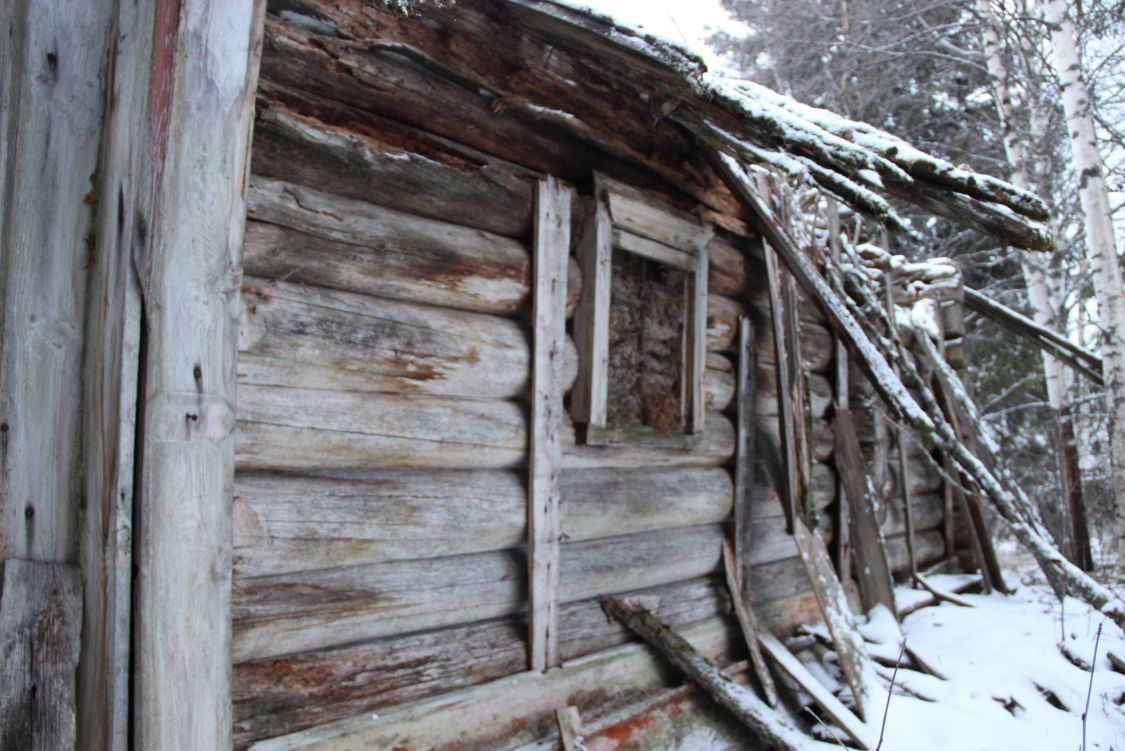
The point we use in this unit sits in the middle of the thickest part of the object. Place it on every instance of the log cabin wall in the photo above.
(383, 378)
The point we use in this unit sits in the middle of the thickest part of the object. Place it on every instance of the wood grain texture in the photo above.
(527, 701)
(305, 234)
(51, 115)
(201, 114)
(288, 613)
(358, 163)
(40, 627)
(292, 523)
(551, 250)
(299, 336)
(284, 694)
(591, 318)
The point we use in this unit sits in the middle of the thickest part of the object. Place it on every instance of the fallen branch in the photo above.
(749, 625)
(770, 726)
(1055, 344)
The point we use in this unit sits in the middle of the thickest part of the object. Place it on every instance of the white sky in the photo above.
(687, 24)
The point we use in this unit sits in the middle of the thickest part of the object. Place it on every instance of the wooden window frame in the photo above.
(625, 218)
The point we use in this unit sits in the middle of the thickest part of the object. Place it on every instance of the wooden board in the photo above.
(745, 456)
(872, 571)
(360, 164)
(52, 104)
(551, 249)
(40, 629)
(854, 663)
(304, 234)
(591, 318)
(863, 735)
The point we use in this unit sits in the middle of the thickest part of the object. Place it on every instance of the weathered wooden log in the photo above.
(527, 702)
(718, 382)
(304, 234)
(821, 392)
(771, 727)
(281, 695)
(363, 159)
(286, 523)
(929, 513)
(823, 438)
(314, 338)
(722, 321)
(816, 347)
(40, 630)
(727, 265)
(929, 547)
(299, 429)
(287, 613)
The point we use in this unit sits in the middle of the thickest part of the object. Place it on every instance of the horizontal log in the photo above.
(928, 513)
(314, 338)
(816, 347)
(293, 429)
(300, 429)
(929, 547)
(354, 154)
(286, 523)
(822, 392)
(306, 235)
(727, 267)
(287, 613)
(718, 382)
(722, 321)
(527, 702)
(285, 694)
(824, 441)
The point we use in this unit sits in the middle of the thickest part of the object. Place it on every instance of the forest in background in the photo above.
(922, 70)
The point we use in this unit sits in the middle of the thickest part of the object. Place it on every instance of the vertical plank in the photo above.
(698, 340)
(900, 433)
(745, 455)
(843, 402)
(790, 492)
(51, 111)
(748, 623)
(570, 728)
(204, 66)
(591, 318)
(40, 623)
(854, 662)
(109, 409)
(550, 256)
(872, 570)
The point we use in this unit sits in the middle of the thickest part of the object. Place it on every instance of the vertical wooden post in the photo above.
(843, 400)
(787, 430)
(745, 455)
(203, 74)
(52, 54)
(550, 254)
(697, 341)
(591, 318)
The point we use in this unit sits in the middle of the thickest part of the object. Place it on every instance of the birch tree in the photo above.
(1043, 284)
(1101, 247)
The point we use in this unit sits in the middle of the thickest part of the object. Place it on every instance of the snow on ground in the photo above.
(1004, 675)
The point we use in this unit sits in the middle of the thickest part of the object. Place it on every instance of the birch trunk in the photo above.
(1042, 284)
(1100, 245)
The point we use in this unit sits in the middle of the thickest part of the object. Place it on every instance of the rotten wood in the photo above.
(527, 701)
(306, 235)
(40, 628)
(551, 244)
(200, 116)
(740, 600)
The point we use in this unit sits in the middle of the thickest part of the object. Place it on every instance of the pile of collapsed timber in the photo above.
(858, 319)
